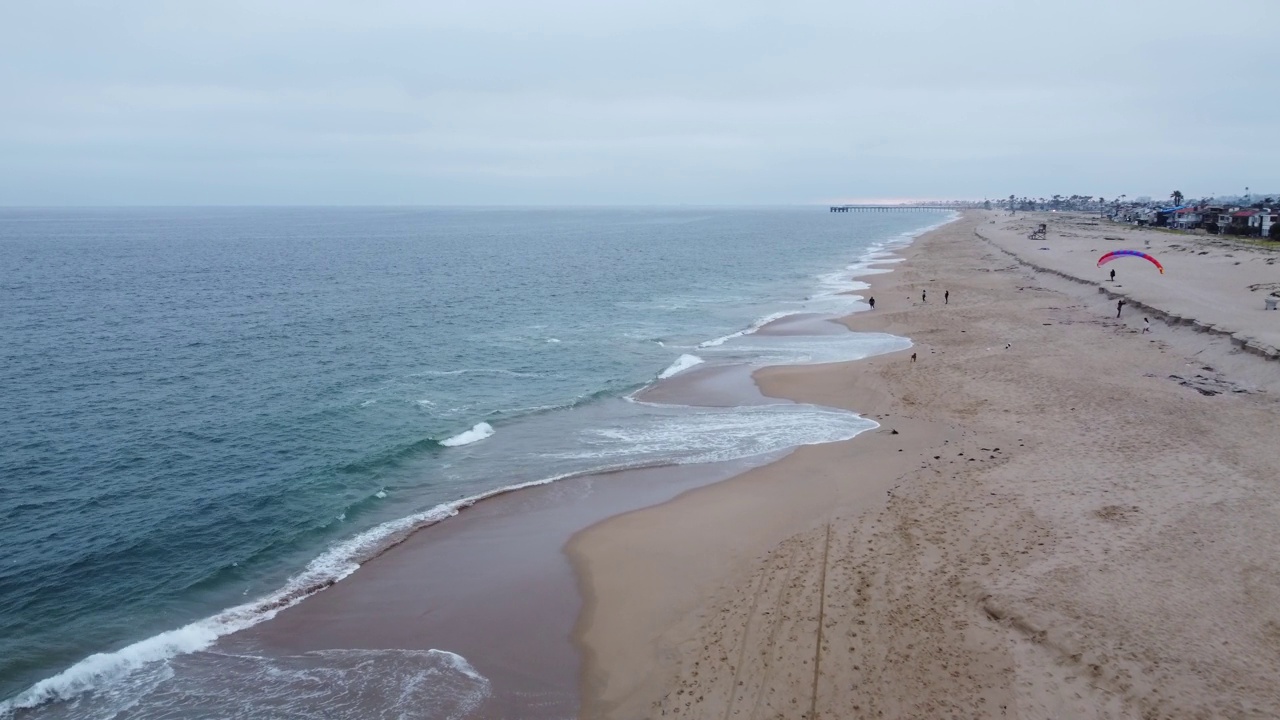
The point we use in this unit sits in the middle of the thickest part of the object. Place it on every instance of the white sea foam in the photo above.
(553, 340)
(339, 684)
(684, 362)
(459, 663)
(715, 434)
(754, 327)
(764, 350)
(477, 433)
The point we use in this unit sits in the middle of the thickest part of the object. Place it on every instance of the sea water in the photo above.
(209, 414)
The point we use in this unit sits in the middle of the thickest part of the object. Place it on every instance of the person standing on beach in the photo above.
(1113, 274)
(872, 303)
(923, 295)
(913, 357)
(946, 297)
(1119, 307)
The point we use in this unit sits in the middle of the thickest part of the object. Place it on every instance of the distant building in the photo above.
(1261, 222)
(1186, 218)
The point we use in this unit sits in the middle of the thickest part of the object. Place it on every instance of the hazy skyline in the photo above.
(575, 102)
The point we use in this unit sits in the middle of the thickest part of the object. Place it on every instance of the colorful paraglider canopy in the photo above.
(1133, 253)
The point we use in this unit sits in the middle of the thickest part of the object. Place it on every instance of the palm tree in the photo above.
(1176, 197)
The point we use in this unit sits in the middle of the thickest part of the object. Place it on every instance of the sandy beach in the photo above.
(1059, 517)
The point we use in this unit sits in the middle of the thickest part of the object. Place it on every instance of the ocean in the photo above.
(210, 414)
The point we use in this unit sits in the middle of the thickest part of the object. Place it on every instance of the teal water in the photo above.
(205, 407)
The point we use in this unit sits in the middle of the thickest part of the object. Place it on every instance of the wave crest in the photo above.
(684, 362)
(477, 433)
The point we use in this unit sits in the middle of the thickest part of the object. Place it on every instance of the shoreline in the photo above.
(883, 454)
(1078, 529)
(526, 648)
(259, 626)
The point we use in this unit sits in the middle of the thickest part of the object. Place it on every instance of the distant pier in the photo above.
(886, 208)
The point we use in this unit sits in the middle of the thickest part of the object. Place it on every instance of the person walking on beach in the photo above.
(924, 294)
(872, 303)
(1146, 326)
(1119, 307)
(1113, 274)
(946, 297)
(913, 357)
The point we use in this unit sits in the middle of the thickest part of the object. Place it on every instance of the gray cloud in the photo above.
(572, 101)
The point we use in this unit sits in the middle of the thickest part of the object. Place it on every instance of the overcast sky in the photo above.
(654, 102)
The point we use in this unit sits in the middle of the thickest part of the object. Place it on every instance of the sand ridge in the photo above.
(1059, 529)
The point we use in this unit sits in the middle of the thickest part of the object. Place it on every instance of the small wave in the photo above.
(475, 371)
(754, 327)
(553, 340)
(531, 409)
(684, 362)
(583, 399)
(477, 433)
(334, 565)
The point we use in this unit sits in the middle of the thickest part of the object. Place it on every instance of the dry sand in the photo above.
(1067, 527)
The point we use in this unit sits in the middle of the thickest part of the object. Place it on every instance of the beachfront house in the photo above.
(1185, 218)
(1223, 221)
(1251, 222)
(1209, 218)
(1239, 222)
(1261, 222)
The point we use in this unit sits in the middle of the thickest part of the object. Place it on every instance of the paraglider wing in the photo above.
(1129, 253)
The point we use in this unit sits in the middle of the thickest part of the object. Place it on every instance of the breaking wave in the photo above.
(684, 362)
(477, 433)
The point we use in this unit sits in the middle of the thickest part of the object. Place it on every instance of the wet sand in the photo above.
(491, 585)
(1074, 520)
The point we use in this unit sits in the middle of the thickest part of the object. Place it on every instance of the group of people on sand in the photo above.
(946, 300)
(924, 298)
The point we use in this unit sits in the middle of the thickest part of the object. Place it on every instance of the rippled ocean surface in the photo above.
(206, 407)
